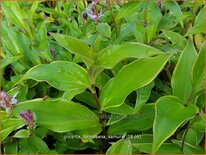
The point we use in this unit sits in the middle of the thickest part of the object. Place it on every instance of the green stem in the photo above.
(100, 112)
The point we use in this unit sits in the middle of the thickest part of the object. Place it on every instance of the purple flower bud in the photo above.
(27, 116)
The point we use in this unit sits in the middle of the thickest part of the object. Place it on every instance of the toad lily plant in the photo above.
(112, 77)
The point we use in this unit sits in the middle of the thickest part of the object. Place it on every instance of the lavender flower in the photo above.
(27, 116)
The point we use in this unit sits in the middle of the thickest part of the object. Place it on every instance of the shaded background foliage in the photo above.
(129, 72)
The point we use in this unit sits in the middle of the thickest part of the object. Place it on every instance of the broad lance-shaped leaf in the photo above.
(60, 74)
(170, 113)
(181, 78)
(59, 115)
(109, 57)
(198, 70)
(133, 76)
(122, 146)
(75, 46)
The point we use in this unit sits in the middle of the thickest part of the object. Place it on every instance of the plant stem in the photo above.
(100, 113)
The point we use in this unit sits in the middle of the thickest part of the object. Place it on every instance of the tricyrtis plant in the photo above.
(99, 76)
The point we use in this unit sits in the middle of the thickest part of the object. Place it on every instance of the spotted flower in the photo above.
(27, 116)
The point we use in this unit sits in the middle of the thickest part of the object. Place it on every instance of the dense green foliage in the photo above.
(102, 76)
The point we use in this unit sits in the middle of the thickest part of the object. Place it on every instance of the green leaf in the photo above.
(133, 76)
(75, 46)
(198, 70)
(60, 74)
(188, 148)
(199, 124)
(122, 146)
(166, 112)
(181, 78)
(17, 16)
(110, 56)
(176, 39)
(142, 96)
(127, 9)
(9, 125)
(22, 134)
(199, 24)
(175, 9)
(194, 137)
(43, 45)
(104, 29)
(138, 122)
(144, 144)
(38, 143)
(11, 148)
(61, 116)
(6, 61)
(33, 145)
(153, 16)
(123, 109)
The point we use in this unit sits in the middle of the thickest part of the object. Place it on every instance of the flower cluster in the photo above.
(6, 101)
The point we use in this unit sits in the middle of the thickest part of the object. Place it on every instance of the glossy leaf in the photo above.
(75, 46)
(138, 122)
(10, 125)
(109, 57)
(22, 134)
(60, 74)
(182, 83)
(122, 146)
(61, 116)
(166, 112)
(134, 74)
